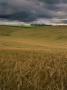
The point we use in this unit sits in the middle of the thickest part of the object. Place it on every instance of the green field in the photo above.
(33, 58)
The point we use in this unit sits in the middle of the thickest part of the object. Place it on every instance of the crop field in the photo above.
(33, 58)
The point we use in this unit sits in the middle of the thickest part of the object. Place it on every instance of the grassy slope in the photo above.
(33, 58)
(33, 37)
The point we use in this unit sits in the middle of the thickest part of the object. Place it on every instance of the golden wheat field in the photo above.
(33, 58)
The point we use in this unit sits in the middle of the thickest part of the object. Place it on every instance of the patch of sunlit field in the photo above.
(33, 58)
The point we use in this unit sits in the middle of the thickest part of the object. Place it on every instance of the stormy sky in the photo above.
(33, 9)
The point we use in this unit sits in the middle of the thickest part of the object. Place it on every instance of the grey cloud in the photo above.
(34, 8)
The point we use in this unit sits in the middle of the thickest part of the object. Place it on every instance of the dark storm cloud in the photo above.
(34, 8)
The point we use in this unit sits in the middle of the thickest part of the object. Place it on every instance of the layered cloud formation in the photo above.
(33, 9)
